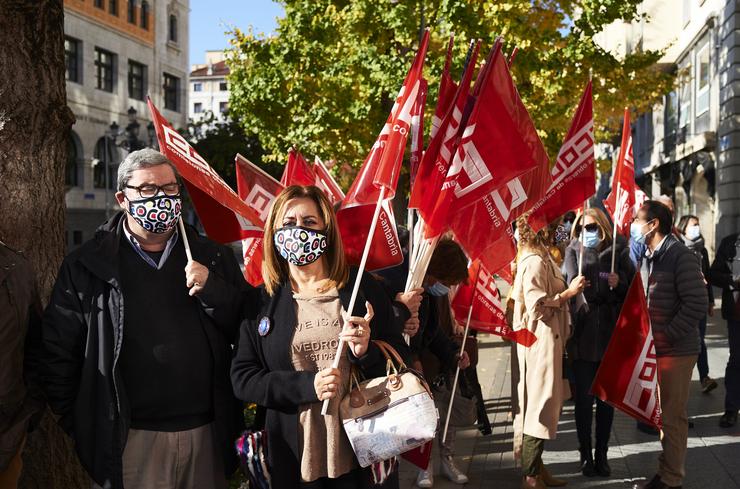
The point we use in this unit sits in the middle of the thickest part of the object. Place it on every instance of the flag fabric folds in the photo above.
(222, 212)
(628, 376)
(297, 171)
(326, 182)
(574, 173)
(621, 199)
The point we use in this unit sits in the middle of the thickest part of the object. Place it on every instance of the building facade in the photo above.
(688, 147)
(209, 89)
(117, 52)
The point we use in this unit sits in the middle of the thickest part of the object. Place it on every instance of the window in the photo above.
(104, 69)
(171, 92)
(223, 107)
(145, 15)
(197, 107)
(223, 86)
(670, 122)
(197, 87)
(172, 34)
(99, 4)
(132, 11)
(136, 80)
(72, 53)
(113, 7)
(686, 12)
(702, 79)
(70, 171)
(684, 96)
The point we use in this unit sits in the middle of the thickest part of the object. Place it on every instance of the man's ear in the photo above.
(121, 199)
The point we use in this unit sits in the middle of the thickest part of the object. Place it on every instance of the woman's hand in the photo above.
(356, 332)
(411, 327)
(613, 280)
(464, 360)
(326, 383)
(411, 299)
(576, 287)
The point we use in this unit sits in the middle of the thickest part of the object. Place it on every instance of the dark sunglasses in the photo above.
(588, 227)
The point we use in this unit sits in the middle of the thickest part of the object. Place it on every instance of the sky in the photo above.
(209, 19)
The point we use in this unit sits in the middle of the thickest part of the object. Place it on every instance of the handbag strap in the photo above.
(390, 353)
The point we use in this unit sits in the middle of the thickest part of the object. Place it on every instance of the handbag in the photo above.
(464, 409)
(387, 416)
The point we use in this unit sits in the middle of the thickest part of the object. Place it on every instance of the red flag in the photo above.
(380, 170)
(574, 174)
(258, 190)
(489, 314)
(326, 182)
(447, 90)
(499, 147)
(222, 212)
(628, 376)
(438, 156)
(417, 130)
(297, 170)
(621, 199)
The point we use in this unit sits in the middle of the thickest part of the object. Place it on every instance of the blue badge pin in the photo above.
(264, 327)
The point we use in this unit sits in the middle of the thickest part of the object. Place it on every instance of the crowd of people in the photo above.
(152, 341)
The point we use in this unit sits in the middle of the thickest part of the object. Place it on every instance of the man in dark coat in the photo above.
(725, 273)
(138, 342)
(677, 301)
(21, 399)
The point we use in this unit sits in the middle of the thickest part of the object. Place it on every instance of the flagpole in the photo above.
(583, 239)
(614, 235)
(185, 240)
(457, 371)
(356, 288)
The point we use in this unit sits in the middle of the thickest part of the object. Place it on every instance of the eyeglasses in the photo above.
(593, 227)
(150, 190)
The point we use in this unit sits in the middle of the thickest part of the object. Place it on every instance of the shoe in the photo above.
(654, 483)
(601, 465)
(728, 420)
(587, 460)
(548, 479)
(708, 384)
(648, 429)
(425, 478)
(450, 470)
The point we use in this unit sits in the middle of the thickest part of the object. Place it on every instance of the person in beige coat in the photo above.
(540, 305)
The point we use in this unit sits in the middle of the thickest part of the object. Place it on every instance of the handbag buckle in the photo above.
(394, 382)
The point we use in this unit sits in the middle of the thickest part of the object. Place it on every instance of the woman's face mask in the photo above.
(693, 232)
(438, 289)
(591, 238)
(299, 245)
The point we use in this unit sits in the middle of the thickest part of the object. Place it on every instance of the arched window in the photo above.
(145, 15)
(72, 167)
(173, 28)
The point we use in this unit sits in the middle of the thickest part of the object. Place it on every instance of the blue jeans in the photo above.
(702, 364)
(732, 372)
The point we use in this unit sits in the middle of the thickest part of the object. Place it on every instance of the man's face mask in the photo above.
(157, 214)
(300, 246)
(636, 232)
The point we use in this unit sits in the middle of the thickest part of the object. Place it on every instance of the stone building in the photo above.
(688, 147)
(117, 52)
(209, 89)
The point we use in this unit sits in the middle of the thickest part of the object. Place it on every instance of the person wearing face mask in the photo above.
(690, 233)
(677, 301)
(137, 341)
(284, 359)
(593, 326)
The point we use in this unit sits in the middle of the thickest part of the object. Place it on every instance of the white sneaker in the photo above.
(450, 470)
(425, 478)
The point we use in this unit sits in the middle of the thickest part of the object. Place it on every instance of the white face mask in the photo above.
(693, 232)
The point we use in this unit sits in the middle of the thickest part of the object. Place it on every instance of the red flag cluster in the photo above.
(621, 200)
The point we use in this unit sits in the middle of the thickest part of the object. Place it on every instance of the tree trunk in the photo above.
(34, 128)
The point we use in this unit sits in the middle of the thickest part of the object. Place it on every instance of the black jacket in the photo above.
(83, 332)
(720, 275)
(677, 298)
(431, 336)
(592, 330)
(262, 371)
(697, 247)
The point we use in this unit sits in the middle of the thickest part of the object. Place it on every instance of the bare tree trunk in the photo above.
(34, 127)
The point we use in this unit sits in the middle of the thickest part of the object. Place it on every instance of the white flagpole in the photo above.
(583, 239)
(457, 374)
(185, 240)
(356, 288)
(614, 235)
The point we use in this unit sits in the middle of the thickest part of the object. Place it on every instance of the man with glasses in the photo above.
(137, 341)
(677, 299)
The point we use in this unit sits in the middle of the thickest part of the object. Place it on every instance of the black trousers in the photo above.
(585, 372)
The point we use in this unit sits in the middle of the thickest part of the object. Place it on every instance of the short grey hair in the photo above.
(136, 160)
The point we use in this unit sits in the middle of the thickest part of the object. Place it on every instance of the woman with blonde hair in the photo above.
(541, 298)
(593, 326)
(284, 360)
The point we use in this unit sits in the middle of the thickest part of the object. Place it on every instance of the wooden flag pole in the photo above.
(185, 239)
(356, 288)
(457, 372)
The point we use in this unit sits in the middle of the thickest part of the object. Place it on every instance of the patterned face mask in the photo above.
(156, 214)
(561, 234)
(299, 245)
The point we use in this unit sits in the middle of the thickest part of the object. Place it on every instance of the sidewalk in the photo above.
(713, 459)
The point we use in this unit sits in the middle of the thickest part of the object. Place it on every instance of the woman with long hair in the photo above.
(284, 360)
(691, 236)
(541, 298)
(593, 323)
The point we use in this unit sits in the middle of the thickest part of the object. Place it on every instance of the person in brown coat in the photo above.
(540, 305)
(20, 396)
